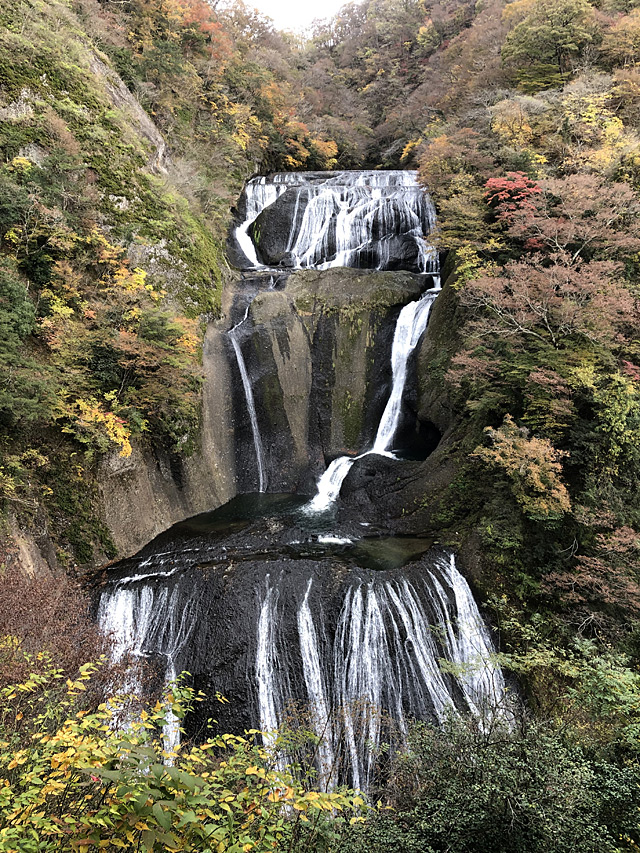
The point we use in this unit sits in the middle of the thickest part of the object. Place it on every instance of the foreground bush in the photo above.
(530, 787)
(77, 779)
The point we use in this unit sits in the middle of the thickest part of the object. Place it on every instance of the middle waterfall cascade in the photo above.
(251, 406)
(296, 626)
(411, 323)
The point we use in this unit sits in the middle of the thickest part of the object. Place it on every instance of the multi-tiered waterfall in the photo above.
(369, 220)
(265, 600)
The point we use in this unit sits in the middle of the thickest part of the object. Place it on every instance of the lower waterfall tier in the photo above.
(349, 638)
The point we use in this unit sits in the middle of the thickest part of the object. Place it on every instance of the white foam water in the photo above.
(383, 664)
(346, 219)
(412, 321)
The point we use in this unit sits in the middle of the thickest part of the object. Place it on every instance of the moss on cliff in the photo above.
(117, 263)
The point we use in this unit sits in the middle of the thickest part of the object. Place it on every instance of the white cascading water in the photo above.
(345, 219)
(260, 193)
(384, 665)
(268, 699)
(470, 645)
(147, 620)
(251, 406)
(411, 323)
(319, 705)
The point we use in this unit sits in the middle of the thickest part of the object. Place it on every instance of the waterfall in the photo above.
(343, 219)
(265, 665)
(470, 647)
(319, 705)
(251, 406)
(259, 193)
(383, 666)
(412, 321)
(256, 613)
(148, 620)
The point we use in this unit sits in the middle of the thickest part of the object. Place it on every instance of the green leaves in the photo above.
(83, 779)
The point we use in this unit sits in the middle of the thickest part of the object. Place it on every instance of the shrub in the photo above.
(77, 778)
(521, 789)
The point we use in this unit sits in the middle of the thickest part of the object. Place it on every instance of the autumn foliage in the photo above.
(534, 467)
(511, 194)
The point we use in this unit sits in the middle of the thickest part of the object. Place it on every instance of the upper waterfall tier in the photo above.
(368, 220)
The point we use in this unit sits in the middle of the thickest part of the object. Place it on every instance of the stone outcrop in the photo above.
(144, 494)
(318, 353)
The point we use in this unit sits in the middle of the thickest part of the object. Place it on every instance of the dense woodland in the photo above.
(523, 120)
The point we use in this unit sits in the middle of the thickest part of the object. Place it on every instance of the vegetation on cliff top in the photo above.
(114, 204)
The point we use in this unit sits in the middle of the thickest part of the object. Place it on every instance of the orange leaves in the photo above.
(327, 150)
(199, 15)
(90, 416)
(189, 342)
(112, 265)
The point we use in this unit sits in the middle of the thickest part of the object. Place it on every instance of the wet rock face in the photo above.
(343, 634)
(273, 229)
(316, 347)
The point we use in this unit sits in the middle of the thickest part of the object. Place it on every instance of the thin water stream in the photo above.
(248, 395)
(410, 326)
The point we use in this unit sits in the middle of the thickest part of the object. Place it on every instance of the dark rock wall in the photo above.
(318, 354)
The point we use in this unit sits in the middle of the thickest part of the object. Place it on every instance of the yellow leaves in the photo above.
(408, 150)
(327, 150)
(246, 128)
(115, 427)
(604, 142)
(532, 464)
(189, 340)
(129, 279)
(100, 787)
(18, 759)
(21, 165)
(114, 266)
(471, 266)
(279, 794)
(91, 412)
(510, 122)
(14, 236)
(53, 787)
